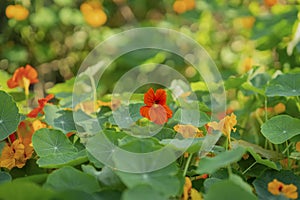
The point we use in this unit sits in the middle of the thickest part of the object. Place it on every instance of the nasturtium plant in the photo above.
(89, 110)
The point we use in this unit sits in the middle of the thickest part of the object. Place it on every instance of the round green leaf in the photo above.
(59, 119)
(284, 85)
(281, 128)
(9, 115)
(55, 149)
(144, 192)
(68, 178)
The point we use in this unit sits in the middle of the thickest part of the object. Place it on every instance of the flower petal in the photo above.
(160, 96)
(168, 110)
(158, 114)
(31, 74)
(144, 111)
(149, 97)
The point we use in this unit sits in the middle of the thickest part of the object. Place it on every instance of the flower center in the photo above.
(280, 188)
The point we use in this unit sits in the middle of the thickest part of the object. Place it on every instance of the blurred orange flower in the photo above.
(278, 188)
(156, 109)
(23, 77)
(18, 12)
(188, 131)
(42, 102)
(181, 6)
(15, 155)
(270, 3)
(93, 13)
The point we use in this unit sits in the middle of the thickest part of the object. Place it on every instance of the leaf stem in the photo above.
(187, 164)
(287, 148)
(246, 170)
(288, 154)
(266, 109)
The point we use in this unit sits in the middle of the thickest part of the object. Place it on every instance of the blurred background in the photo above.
(54, 36)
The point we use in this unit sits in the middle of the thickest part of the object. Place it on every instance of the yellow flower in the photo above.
(15, 155)
(226, 125)
(278, 188)
(187, 188)
(188, 131)
(189, 192)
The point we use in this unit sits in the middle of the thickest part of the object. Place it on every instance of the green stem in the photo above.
(271, 145)
(229, 170)
(94, 91)
(187, 164)
(266, 109)
(266, 143)
(288, 154)
(287, 148)
(246, 170)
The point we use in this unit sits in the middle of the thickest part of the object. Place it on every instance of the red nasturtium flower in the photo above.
(156, 109)
(23, 77)
(42, 102)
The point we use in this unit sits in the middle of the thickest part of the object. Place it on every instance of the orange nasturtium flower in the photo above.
(156, 109)
(23, 77)
(42, 102)
(188, 131)
(225, 125)
(278, 188)
(18, 12)
(15, 155)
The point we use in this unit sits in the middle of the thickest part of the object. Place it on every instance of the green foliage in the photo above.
(210, 165)
(281, 128)
(9, 115)
(68, 178)
(55, 150)
(284, 85)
